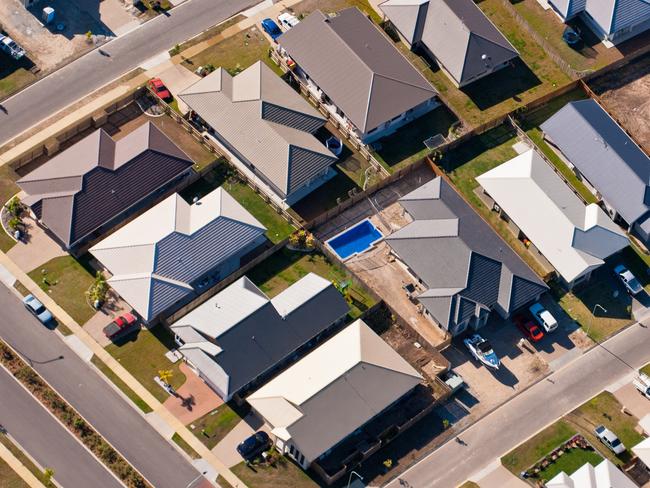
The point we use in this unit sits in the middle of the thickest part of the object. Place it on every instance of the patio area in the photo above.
(194, 399)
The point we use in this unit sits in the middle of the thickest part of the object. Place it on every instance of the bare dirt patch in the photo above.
(625, 95)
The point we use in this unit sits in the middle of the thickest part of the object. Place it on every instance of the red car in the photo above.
(529, 328)
(160, 89)
(121, 325)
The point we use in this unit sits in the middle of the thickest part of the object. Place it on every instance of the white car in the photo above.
(642, 383)
(8, 45)
(630, 282)
(543, 317)
(610, 439)
(287, 21)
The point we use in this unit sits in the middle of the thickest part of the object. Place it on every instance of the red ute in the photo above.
(159, 88)
(529, 328)
(120, 325)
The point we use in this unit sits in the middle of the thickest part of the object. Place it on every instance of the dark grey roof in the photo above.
(268, 333)
(98, 179)
(473, 264)
(356, 66)
(606, 156)
(456, 32)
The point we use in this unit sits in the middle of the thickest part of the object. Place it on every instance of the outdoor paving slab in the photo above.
(502, 478)
(158, 423)
(632, 400)
(79, 347)
(203, 398)
(39, 248)
(226, 448)
(6, 277)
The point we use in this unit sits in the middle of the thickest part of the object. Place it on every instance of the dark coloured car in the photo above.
(254, 445)
(529, 328)
(271, 28)
(121, 326)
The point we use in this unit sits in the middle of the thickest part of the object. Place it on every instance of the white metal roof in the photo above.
(605, 475)
(574, 237)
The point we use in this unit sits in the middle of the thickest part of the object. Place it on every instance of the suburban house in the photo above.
(467, 270)
(612, 20)
(607, 160)
(541, 208)
(94, 185)
(266, 126)
(642, 449)
(239, 337)
(176, 250)
(333, 392)
(605, 475)
(354, 69)
(456, 34)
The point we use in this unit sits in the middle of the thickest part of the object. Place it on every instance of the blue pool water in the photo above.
(355, 240)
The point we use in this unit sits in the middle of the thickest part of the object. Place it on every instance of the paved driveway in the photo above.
(226, 450)
(37, 250)
(195, 398)
(176, 78)
(113, 308)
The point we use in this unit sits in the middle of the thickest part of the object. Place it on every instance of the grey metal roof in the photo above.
(356, 66)
(98, 179)
(475, 264)
(261, 332)
(456, 32)
(263, 120)
(606, 156)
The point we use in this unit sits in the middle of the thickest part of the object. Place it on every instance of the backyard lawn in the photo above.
(235, 53)
(284, 473)
(285, 267)
(143, 355)
(278, 228)
(66, 280)
(214, 426)
(407, 144)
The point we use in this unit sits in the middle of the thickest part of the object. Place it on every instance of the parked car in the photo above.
(630, 282)
(121, 326)
(11, 47)
(642, 383)
(253, 446)
(160, 89)
(287, 20)
(34, 305)
(271, 28)
(453, 380)
(608, 438)
(543, 317)
(529, 328)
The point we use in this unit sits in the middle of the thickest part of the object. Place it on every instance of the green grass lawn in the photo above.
(592, 55)
(20, 455)
(285, 473)
(570, 462)
(646, 369)
(11, 82)
(407, 144)
(180, 442)
(8, 189)
(305, 7)
(235, 53)
(285, 267)
(278, 228)
(143, 355)
(214, 426)
(117, 381)
(326, 196)
(66, 281)
(205, 35)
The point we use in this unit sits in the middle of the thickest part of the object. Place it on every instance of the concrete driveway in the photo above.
(38, 249)
(114, 307)
(176, 78)
(195, 398)
(226, 450)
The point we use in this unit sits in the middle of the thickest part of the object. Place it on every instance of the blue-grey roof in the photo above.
(472, 267)
(604, 154)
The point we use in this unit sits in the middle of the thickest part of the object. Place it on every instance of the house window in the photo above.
(292, 450)
(302, 459)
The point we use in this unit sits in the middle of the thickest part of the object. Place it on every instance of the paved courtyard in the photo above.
(195, 398)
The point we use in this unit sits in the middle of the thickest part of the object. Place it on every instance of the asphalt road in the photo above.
(93, 70)
(47, 441)
(81, 386)
(526, 414)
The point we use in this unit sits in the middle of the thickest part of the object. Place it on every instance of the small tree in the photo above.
(15, 223)
(15, 207)
(165, 375)
(99, 289)
(48, 474)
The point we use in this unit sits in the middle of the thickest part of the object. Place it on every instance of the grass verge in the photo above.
(9, 478)
(180, 442)
(117, 381)
(214, 426)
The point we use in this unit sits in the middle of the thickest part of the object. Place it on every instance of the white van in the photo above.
(543, 317)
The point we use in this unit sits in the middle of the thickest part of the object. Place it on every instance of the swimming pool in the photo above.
(355, 240)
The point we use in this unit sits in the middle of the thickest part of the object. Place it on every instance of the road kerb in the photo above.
(20, 469)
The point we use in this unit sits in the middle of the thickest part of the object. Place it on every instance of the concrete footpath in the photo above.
(20, 469)
(169, 421)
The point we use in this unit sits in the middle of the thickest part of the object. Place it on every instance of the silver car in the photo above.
(610, 439)
(37, 308)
